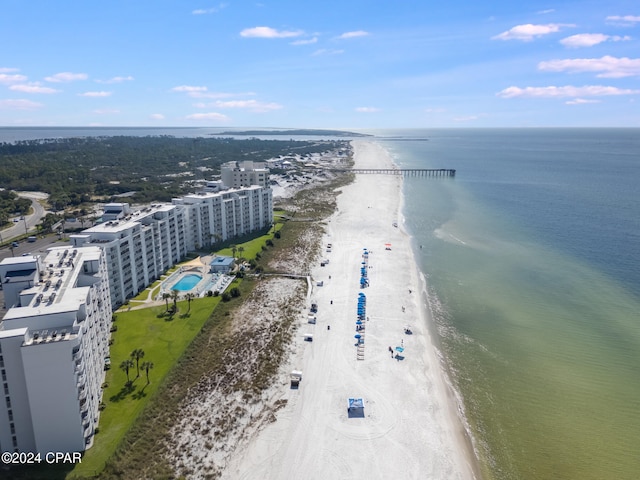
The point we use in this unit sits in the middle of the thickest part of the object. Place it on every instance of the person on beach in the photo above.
(391, 350)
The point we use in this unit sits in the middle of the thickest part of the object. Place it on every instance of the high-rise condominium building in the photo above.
(54, 340)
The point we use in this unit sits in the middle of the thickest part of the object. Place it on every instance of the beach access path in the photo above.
(411, 427)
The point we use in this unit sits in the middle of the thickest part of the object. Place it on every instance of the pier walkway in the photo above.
(413, 172)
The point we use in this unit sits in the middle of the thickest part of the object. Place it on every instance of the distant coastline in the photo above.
(307, 132)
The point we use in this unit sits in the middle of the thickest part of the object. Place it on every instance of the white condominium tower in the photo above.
(142, 245)
(244, 174)
(54, 340)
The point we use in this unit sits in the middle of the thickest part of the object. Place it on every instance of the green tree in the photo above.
(136, 355)
(125, 366)
(234, 249)
(190, 297)
(146, 366)
(174, 296)
(166, 296)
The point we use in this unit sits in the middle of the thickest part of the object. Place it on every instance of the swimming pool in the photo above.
(187, 282)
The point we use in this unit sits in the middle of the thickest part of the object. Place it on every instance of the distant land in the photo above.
(331, 133)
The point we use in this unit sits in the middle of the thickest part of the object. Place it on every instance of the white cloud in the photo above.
(156, 116)
(188, 89)
(64, 77)
(19, 104)
(116, 80)
(202, 92)
(34, 87)
(357, 33)
(565, 91)
(591, 39)
(95, 94)
(7, 79)
(325, 51)
(208, 11)
(367, 109)
(252, 105)
(218, 117)
(8, 69)
(624, 20)
(268, 32)
(544, 12)
(305, 42)
(606, 67)
(435, 110)
(580, 101)
(528, 32)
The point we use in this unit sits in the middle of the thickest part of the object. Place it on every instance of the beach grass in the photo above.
(131, 452)
(163, 340)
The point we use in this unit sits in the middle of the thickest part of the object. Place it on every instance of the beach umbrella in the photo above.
(400, 349)
(357, 335)
(359, 322)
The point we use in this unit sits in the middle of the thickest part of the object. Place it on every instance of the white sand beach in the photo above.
(411, 427)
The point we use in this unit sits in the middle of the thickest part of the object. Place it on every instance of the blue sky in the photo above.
(323, 64)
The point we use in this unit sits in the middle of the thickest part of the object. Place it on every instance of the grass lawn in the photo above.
(252, 246)
(163, 342)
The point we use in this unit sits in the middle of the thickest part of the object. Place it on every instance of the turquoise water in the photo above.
(187, 282)
(533, 268)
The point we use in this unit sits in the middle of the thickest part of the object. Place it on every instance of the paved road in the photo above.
(29, 222)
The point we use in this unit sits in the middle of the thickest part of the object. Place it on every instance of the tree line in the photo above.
(74, 171)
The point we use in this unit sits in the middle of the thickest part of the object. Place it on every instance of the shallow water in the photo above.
(532, 262)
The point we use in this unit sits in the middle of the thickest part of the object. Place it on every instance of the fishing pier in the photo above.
(408, 172)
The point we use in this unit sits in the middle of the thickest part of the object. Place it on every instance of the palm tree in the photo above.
(136, 355)
(190, 297)
(174, 296)
(215, 237)
(166, 296)
(234, 248)
(240, 251)
(146, 366)
(125, 366)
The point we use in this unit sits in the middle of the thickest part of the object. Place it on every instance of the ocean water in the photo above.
(532, 260)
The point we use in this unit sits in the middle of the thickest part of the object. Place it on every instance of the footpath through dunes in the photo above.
(410, 425)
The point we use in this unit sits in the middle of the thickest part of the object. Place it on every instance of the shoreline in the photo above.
(411, 421)
(455, 400)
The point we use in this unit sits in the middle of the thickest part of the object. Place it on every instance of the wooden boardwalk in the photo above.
(412, 172)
